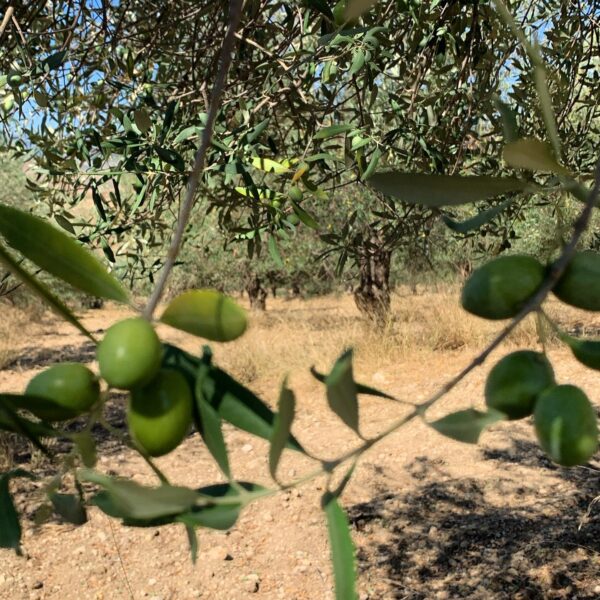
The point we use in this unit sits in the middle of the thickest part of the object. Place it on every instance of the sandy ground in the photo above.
(431, 518)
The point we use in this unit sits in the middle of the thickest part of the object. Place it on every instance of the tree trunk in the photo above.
(256, 293)
(372, 295)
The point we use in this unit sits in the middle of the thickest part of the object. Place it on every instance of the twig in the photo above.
(533, 304)
(6, 20)
(235, 13)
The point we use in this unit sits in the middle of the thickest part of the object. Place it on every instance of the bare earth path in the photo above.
(431, 518)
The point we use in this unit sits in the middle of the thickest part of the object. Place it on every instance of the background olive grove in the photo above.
(109, 99)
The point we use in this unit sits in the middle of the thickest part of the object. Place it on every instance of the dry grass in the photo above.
(13, 324)
(296, 334)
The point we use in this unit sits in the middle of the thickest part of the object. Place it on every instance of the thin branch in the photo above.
(6, 20)
(235, 13)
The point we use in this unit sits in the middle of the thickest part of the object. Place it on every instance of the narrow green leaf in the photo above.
(509, 121)
(360, 388)
(466, 425)
(41, 99)
(193, 542)
(373, 162)
(208, 314)
(281, 427)
(43, 292)
(11, 420)
(342, 549)
(332, 131)
(262, 193)
(135, 501)
(256, 131)
(274, 251)
(342, 394)
(10, 528)
(171, 157)
(239, 406)
(220, 517)
(142, 120)
(60, 255)
(187, 133)
(69, 507)
(210, 421)
(443, 190)
(321, 6)
(268, 165)
(54, 60)
(305, 217)
(532, 154)
(485, 216)
(358, 62)
(86, 445)
(541, 84)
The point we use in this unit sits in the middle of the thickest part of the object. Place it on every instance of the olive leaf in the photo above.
(443, 190)
(466, 425)
(58, 254)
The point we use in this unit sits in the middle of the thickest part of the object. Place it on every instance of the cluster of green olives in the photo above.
(159, 413)
(523, 383)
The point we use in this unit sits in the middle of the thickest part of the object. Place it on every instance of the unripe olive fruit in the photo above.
(72, 389)
(295, 194)
(501, 287)
(160, 414)
(580, 284)
(566, 425)
(129, 355)
(516, 381)
(14, 79)
(8, 103)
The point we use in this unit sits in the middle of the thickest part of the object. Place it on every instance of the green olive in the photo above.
(130, 353)
(70, 388)
(566, 425)
(160, 414)
(580, 284)
(501, 287)
(516, 381)
(295, 194)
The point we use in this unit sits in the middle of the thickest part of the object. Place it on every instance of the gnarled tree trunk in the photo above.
(372, 295)
(256, 293)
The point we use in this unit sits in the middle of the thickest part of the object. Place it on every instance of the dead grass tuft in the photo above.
(293, 335)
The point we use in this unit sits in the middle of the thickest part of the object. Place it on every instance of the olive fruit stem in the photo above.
(124, 438)
(226, 55)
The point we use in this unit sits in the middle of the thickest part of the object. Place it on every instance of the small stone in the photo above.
(246, 448)
(38, 585)
(152, 581)
(218, 553)
(251, 584)
(597, 589)
(433, 531)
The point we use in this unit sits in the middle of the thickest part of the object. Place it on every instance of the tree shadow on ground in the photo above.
(502, 538)
(33, 358)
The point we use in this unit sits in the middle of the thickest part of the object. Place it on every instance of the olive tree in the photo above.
(142, 120)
